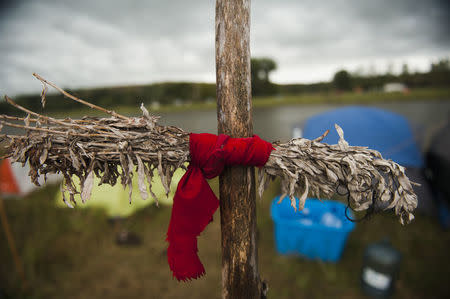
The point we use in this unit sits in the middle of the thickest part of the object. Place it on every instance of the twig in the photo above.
(3, 116)
(68, 95)
(54, 131)
(47, 118)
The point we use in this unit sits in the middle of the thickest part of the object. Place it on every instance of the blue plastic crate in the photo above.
(319, 231)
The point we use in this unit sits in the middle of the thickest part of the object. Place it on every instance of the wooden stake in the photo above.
(240, 276)
(11, 244)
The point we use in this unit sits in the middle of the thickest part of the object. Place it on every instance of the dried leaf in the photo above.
(161, 174)
(43, 156)
(43, 94)
(145, 111)
(86, 188)
(75, 161)
(27, 120)
(64, 197)
(262, 182)
(149, 175)
(342, 143)
(141, 178)
(129, 178)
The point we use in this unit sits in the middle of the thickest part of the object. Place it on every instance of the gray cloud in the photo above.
(106, 42)
(317, 37)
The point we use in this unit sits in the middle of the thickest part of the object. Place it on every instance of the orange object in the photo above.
(8, 183)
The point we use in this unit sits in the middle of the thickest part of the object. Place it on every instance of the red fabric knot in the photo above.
(194, 202)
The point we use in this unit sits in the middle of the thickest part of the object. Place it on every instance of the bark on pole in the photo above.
(240, 276)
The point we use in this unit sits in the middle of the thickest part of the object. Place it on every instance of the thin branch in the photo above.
(55, 131)
(47, 118)
(3, 116)
(31, 128)
(68, 95)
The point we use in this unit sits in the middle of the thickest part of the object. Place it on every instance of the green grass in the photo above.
(70, 253)
(354, 97)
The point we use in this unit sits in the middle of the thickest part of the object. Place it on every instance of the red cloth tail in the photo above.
(195, 203)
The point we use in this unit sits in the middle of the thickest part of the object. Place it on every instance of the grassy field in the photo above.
(301, 99)
(70, 253)
(354, 97)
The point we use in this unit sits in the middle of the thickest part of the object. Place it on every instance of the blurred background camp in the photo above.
(310, 60)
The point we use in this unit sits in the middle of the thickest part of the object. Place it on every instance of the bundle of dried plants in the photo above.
(311, 167)
(111, 148)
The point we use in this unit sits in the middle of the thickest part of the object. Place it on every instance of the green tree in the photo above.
(261, 68)
(439, 74)
(405, 69)
(260, 71)
(443, 65)
(342, 80)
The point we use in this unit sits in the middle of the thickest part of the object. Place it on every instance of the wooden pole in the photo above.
(240, 276)
(12, 244)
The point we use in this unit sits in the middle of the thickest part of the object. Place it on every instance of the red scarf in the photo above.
(195, 203)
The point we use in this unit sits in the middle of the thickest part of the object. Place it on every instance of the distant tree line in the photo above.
(172, 92)
(437, 76)
(162, 93)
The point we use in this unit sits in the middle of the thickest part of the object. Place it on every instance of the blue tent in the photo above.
(387, 132)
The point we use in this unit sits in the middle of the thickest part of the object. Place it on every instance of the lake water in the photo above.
(276, 123)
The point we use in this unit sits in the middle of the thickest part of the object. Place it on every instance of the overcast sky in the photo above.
(88, 43)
